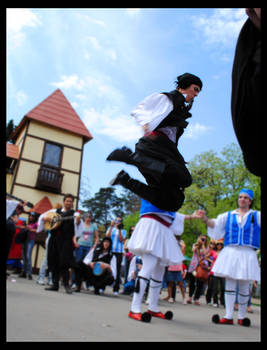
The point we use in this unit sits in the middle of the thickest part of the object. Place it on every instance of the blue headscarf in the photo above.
(248, 192)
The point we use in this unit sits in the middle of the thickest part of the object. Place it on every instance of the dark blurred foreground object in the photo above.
(247, 91)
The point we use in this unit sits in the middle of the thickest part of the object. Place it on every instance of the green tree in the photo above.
(9, 130)
(104, 206)
(217, 181)
(131, 202)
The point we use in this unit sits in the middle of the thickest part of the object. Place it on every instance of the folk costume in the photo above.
(153, 240)
(237, 262)
(156, 154)
(60, 248)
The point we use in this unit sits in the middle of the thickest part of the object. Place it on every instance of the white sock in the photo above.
(148, 265)
(155, 287)
(243, 297)
(229, 297)
(154, 290)
(138, 297)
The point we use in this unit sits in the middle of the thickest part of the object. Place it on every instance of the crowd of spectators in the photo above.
(106, 261)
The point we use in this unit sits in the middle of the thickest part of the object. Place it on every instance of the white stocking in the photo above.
(149, 263)
(243, 297)
(155, 287)
(229, 297)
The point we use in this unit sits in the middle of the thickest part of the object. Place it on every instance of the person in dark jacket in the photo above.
(163, 118)
(60, 247)
(246, 100)
(95, 268)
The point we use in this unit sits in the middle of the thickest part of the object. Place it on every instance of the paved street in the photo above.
(34, 314)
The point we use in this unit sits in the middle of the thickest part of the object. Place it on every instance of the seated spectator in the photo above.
(85, 270)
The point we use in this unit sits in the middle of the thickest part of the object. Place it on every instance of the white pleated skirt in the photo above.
(152, 237)
(238, 263)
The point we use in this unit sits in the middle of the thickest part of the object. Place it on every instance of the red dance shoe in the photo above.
(167, 316)
(226, 321)
(144, 317)
(245, 322)
(216, 319)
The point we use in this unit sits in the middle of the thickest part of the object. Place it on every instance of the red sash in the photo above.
(157, 218)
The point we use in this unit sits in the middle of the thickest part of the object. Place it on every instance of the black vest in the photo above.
(66, 228)
(178, 115)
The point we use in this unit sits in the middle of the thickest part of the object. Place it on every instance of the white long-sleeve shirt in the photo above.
(177, 225)
(152, 110)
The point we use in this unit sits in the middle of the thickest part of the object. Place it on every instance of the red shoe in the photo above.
(167, 316)
(216, 319)
(145, 317)
(226, 321)
(244, 322)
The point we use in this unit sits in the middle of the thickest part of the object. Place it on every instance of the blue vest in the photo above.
(248, 235)
(148, 208)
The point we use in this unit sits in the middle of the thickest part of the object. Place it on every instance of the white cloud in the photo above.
(107, 122)
(194, 131)
(222, 27)
(17, 20)
(68, 82)
(112, 54)
(121, 128)
(21, 98)
(105, 51)
(94, 42)
(107, 118)
(91, 117)
(92, 87)
(94, 20)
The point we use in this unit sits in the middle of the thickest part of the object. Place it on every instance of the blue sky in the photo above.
(106, 61)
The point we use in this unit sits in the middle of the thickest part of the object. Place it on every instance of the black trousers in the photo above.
(84, 272)
(119, 257)
(195, 286)
(164, 195)
(60, 258)
(165, 172)
(212, 291)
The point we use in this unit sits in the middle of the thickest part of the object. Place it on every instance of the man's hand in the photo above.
(46, 219)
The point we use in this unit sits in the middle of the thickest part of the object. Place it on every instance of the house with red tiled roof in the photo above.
(46, 157)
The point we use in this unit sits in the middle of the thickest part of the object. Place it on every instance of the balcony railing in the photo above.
(49, 179)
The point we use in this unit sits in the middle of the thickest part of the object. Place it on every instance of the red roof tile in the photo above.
(12, 151)
(57, 111)
(42, 206)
